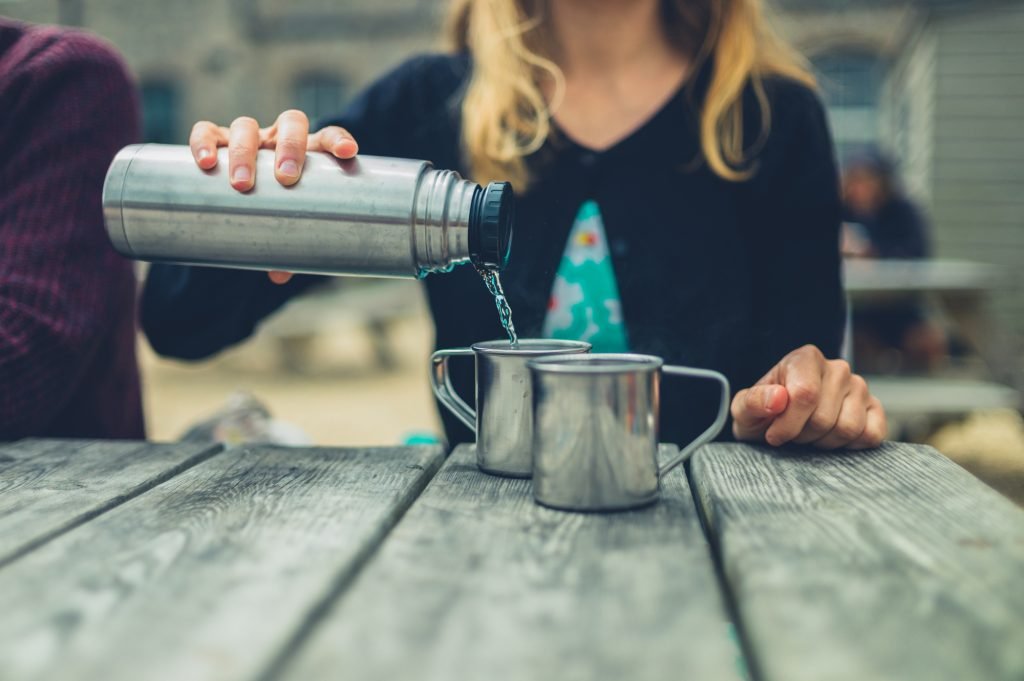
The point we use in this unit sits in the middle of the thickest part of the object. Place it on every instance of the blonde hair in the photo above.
(506, 117)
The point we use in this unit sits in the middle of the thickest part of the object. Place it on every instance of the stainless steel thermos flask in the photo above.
(369, 216)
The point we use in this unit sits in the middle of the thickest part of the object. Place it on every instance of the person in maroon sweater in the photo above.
(67, 300)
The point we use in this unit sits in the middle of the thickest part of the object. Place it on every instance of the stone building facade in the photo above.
(217, 59)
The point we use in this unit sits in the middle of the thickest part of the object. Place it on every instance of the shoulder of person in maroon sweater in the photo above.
(32, 56)
(66, 298)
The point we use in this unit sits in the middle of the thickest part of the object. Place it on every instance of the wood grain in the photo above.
(11, 452)
(50, 486)
(209, 575)
(888, 564)
(478, 582)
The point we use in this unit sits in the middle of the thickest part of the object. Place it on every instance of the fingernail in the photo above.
(289, 167)
(204, 154)
(769, 397)
(241, 174)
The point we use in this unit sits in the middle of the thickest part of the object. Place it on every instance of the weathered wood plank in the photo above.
(20, 450)
(478, 582)
(967, 128)
(50, 486)
(209, 575)
(953, 65)
(905, 396)
(889, 564)
(969, 148)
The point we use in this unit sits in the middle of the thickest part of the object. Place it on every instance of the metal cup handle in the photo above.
(441, 382)
(712, 432)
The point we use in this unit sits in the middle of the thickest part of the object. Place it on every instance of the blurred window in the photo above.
(851, 81)
(319, 95)
(160, 109)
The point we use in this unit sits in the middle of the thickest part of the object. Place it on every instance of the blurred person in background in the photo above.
(882, 222)
(677, 148)
(67, 300)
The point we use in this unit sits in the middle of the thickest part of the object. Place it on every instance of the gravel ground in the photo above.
(990, 445)
(347, 401)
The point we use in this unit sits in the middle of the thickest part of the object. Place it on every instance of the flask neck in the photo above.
(441, 221)
(456, 221)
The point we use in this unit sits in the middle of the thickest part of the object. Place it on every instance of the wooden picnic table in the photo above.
(130, 560)
(892, 278)
(958, 290)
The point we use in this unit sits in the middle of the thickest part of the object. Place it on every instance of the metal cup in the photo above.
(503, 419)
(595, 444)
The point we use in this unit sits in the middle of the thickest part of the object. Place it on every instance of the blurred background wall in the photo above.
(937, 83)
(217, 59)
(940, 86)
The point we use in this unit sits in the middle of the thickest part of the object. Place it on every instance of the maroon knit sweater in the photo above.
(67, 300)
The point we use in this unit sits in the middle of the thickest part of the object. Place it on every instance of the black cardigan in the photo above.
(711, 273)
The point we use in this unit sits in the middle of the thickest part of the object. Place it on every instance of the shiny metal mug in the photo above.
(372, 216)
(595, 445)
(503, 419)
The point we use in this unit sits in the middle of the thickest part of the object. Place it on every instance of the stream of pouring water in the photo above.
(493, 282)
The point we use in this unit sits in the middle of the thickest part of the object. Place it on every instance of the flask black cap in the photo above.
(490, 225)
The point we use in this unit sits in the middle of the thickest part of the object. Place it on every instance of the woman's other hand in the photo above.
(289, 136)
(807, 399)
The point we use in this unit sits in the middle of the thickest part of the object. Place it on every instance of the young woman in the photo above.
(677, 196)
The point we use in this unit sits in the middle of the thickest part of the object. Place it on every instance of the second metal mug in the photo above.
(503, 418)
(596, 430)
